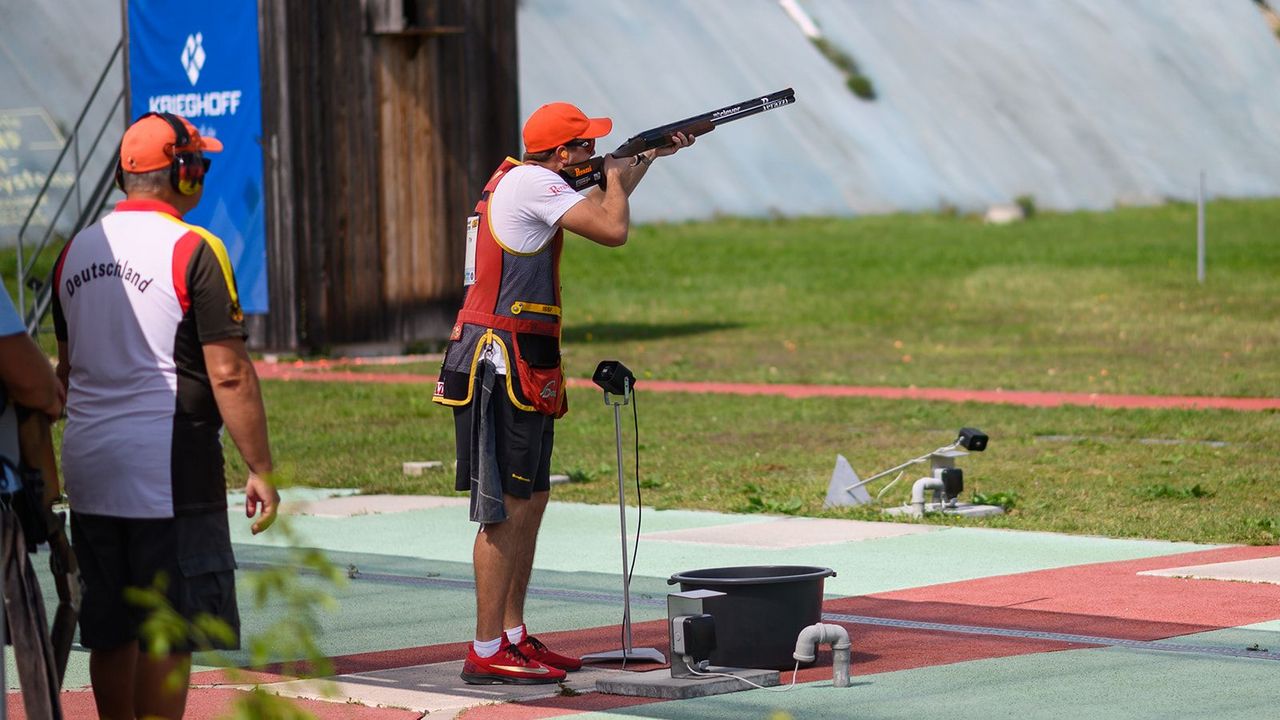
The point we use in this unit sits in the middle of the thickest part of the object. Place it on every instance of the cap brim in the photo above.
(597, 128)
(210, 145)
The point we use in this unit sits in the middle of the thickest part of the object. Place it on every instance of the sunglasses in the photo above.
(591, 143)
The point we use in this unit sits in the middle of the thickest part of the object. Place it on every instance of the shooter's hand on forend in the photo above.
(671, 138)
(678, 142)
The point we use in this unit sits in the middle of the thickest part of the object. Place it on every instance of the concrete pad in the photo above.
(960, 510)
(432, 689)
(418, 468)
(352, 505)
(1260, 570)
(791, 532)
(660, 684)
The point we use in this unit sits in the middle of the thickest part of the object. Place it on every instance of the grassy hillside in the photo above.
(1079, 302)
(1104, 302)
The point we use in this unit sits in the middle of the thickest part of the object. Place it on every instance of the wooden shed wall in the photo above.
(378, 144)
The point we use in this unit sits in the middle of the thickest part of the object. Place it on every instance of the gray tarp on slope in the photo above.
(1080, 103)
(51, 54)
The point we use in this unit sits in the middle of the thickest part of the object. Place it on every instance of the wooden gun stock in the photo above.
(661, 137)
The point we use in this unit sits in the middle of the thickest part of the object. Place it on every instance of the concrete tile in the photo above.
(434, 689)
(791, 532)
(342, 507)
(660, 684)
(1260, 570)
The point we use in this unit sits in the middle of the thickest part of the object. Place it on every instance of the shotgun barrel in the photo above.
(704, 123)
(586, 174)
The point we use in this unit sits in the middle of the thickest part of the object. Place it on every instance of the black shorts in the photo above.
(192, 552)
(524, 441)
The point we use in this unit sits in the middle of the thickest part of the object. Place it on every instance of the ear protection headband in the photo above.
(186, 169)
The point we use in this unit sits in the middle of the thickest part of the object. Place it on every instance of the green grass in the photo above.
(1074, 470)
(1096, 302)
(1075, 302)
(1093, 302)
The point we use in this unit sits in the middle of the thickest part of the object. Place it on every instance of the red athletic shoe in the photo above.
(533, 649)
(508, 667)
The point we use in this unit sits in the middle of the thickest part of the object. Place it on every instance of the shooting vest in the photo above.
(514, 305)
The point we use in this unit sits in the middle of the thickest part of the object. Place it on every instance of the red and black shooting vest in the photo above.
(514, 305)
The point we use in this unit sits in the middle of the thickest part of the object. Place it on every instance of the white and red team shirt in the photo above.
(138, 295)
(524, 214)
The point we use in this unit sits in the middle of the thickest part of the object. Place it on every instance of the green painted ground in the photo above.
(580, 538)
(1115, 684)
(579, 550)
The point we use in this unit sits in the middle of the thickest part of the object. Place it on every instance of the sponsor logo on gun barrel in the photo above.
(726, 111)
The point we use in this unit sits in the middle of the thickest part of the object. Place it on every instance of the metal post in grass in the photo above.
(1200, 231)
(618, 384)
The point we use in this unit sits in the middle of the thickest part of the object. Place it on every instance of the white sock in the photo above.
(487, 648)
(515, 634)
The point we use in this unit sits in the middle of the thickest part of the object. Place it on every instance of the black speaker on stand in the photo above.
(618, 383)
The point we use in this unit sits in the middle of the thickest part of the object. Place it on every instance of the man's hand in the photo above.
(679, 141)
(260, 495)
(613, 166)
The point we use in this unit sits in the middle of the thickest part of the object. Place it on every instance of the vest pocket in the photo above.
(538, 366)
(539, 351)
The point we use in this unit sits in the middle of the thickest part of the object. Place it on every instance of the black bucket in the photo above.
(764, 608)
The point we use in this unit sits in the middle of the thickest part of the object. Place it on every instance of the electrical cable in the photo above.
(794, 673)
(885, 489)
(635, 548)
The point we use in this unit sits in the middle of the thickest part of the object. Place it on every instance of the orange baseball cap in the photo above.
(557, 123)
(148, 144)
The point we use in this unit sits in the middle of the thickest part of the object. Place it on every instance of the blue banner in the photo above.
(199, 59)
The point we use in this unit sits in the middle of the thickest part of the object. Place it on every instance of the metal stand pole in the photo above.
(1200, 231)
(627, 652)
(4, 625)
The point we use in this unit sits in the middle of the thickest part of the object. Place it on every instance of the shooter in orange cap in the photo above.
(501, 372)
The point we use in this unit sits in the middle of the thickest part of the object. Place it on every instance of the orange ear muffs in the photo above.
(186, 174)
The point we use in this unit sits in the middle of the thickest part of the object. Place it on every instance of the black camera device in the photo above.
(972, 439)
(613, 377)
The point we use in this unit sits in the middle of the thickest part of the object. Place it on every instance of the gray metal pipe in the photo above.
(917, 493)
(811, 637)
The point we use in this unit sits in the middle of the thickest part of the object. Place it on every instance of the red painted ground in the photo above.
(208, 704)
(325, 373)
(1109, 596)
(1103, 599)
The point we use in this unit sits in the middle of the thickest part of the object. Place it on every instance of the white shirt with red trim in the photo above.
(526, 207)
(137, 294)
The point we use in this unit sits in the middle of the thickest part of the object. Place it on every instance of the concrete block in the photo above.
(961, 509)
(417, 468)
(660, 684)
(1003, 214)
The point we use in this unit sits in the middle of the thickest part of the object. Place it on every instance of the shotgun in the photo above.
(35, 441)
(586, 174)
